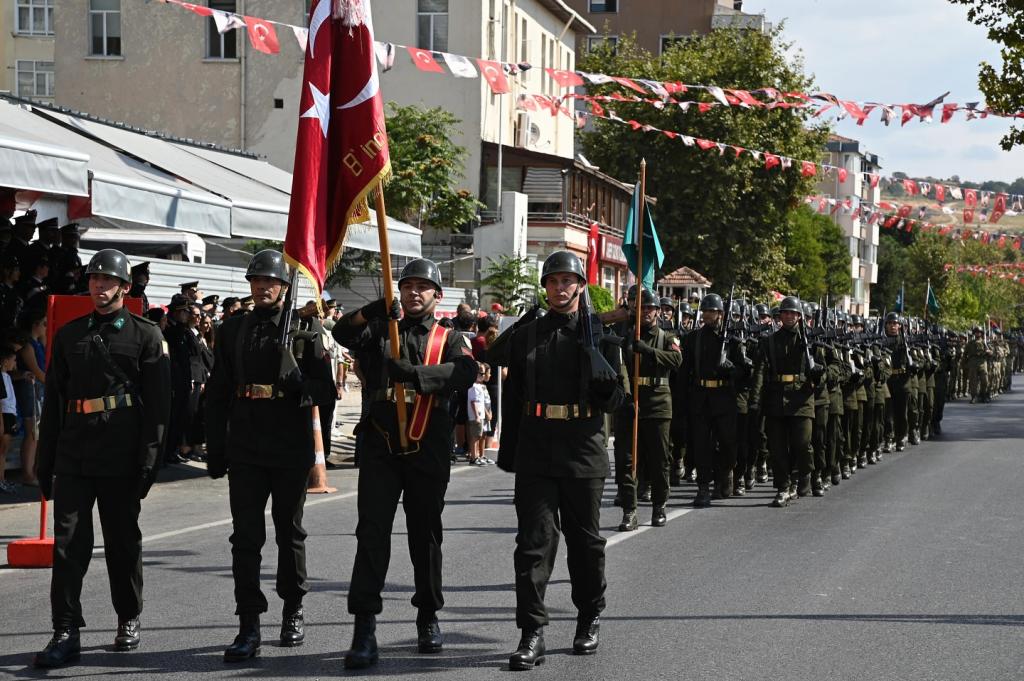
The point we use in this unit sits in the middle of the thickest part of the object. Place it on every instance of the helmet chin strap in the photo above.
(113, 299)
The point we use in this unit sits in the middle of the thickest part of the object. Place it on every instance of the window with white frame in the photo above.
(669, 41)
(34, 78)
(595, 42)
(432, 25)
(105, 28)
(34, 17)
(608, 278)
(221, 45)
(524, 50)
(604, 6)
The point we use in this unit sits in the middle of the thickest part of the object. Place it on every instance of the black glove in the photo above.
(45, 484)
(816, 372)
(401, 371)
(378, 309)
(216, 468)
(291, 375)
(726, 368)
(643, 348)
(146, 479)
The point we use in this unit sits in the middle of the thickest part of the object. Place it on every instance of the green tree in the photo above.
(1002, 85)
(600, 299)
(723, 215)
(817, 253)
(511, 281)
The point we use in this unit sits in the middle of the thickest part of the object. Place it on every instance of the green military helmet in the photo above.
(647, 298)
(666, 302)
(892, 317)
(737, 308)
(421, 268)
(791, 304)
(685, 310)
(855, 319)
(712, 302)
(775, 311)
(560, 262)
(268, 263)
(111, 262)
(761, 310)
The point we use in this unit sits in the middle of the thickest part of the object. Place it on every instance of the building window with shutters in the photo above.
(34, 17)
(221, 45)
(604, 6)
(105, 28)
(596, 42)
(34, 78)
(432, 25)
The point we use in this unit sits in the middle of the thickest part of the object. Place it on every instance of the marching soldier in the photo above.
(435, 363)
(140, 280)
(667, 316)
(102, 423)
(559, 386)
(259, 432)
(899, 381)
(976, 355)
(659, 356)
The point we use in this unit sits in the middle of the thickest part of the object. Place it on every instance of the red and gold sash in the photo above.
(421, 408)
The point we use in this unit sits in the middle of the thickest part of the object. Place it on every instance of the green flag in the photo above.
(933, 303)
(653, 255)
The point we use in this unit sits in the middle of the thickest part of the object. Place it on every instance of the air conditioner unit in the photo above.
(527, 132)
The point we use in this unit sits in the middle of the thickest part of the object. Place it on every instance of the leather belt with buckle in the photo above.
(557, 412)
(898, 372)
(257, 391)
(388, 395)
(713, 383)
(787, 378)
(98, 404)
(651, 381)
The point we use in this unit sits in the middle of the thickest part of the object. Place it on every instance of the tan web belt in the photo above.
(557, 412)
(258, 391)
(98, 404)
(650, 381)
(787, 378)
(716, 383)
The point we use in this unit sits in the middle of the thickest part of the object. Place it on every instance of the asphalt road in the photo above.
(910, 570)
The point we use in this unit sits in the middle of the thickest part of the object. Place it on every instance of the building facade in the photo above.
(861, 237)
(27, 48)
(658, 23)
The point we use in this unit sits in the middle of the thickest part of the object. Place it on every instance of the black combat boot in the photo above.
(629, 521)
(247, 644)
(804, 487)
(586, 639)
(658, 518)
(845, 471)
(64, 647)
(363, 651)
(914, 438)
(723, 489)
(127, 636)
(428, 634)
(643, 492)
(817, 488)
(781, 498)
(530, 652)
(703, 498)
(292, 625)
(762, 473)
(748, 479)
(675, 476)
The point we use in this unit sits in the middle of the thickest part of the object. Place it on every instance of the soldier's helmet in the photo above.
(856, 319)
(892, 317)
(647, 298)
(421, 268)
(268, 263)
(737, 308)
(560, 262)
(976, 329)
(665, 302)
(791, 304)
(775, 312)
(761, 310)
(712, 301)
(111, 262)
(685, 310)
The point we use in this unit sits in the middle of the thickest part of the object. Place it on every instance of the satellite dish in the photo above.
(534, 134)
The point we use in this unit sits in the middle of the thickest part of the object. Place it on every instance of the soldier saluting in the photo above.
(259, 432)
(435, 362)
(102, 423)
(559, 387)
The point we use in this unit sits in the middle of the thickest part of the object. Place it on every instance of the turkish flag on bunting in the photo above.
(626, 82)
(842, 174)
(1002, 241)
(262, 35)
(198, 9)
(424, 60)
(970, 202)
(874, 180)
(998, 208)
(808, 169)
(593, 253)
(565, 78)
(904, 211)
(770, 161)
(341, 150)
(705, 144)
(910, 187)
(947, 112)
(494, 73)
(940, 193)
(1016, 244)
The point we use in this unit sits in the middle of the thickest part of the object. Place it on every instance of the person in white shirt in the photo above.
(478, 416)
(8, 412)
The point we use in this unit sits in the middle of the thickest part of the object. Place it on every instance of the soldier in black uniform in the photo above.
(419, 474)
(140, 280)
(180, 341)
(560, 384)
(102, 423)
(24, 230)
(69, 279)
(259, 431)
(899, 379)
(659, 356)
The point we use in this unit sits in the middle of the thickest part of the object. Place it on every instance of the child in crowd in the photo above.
(8, 412)
(478, 416)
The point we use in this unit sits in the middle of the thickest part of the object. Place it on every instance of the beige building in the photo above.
(657, 23)
(861, 237)
(163, 68)
(27, 45)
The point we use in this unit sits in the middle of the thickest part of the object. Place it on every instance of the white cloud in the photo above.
(902, 51)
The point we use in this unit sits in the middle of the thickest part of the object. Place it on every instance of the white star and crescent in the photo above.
(321, 109)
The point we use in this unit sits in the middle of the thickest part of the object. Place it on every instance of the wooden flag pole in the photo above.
(396, 353)
(639, 224)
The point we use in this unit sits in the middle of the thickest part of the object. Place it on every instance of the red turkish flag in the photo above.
(842, 174)
(970, 202)
(494, 74)
(626, 82)
(998, 208)
(874, 180)
(424, 60)
(705, 144)
(262, 35)
(808, 169)
(904, 211)
(565, 78)
(341, 151)
(940, 193)
(910, 187)
(770, 161)
(1016, 244)
(593, 253)
(947, 112)
(1002, 241)
(198, 9)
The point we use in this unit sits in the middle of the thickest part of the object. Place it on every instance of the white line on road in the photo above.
(623, 536)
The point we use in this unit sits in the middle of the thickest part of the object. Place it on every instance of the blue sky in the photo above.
(898, 51)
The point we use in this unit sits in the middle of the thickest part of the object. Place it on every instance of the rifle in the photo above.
(724, 333)
(807, 345)
(600, 370)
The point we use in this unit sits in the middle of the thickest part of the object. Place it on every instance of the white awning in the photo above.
(28, 162)
(403, 238)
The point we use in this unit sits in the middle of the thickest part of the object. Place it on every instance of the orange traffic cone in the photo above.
(318, 473)
(34, 552)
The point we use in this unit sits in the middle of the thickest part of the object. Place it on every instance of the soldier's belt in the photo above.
(898, 372)
(258, 391)
(557, 412)
(787, 378)
(98, 404)
(388, 395)
(716, 383)
(651, 381)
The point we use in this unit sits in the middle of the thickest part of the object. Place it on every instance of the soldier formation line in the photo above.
(743, 395)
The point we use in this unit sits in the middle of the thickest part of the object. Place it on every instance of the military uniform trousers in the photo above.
(546, 506)
(851, 428)
(977, 379)
(744, 452)
(119, 507)
(789, 441)
(714, 445)
(819, 440)
(622, 424)
(383, 479)
(833, 444)
(653, 448)
(249, 488)
(899, 412)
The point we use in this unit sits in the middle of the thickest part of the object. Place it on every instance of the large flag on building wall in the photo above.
(341, 154)
(653, 255)
(593, 254)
